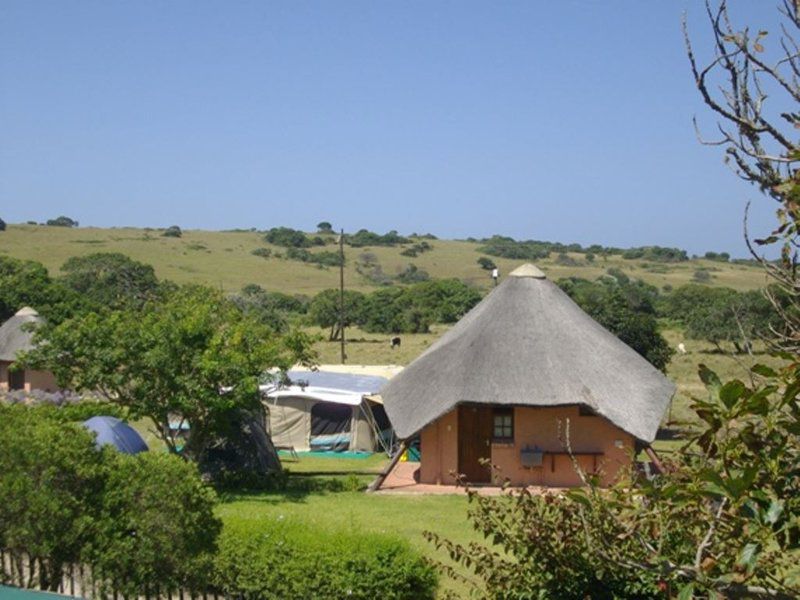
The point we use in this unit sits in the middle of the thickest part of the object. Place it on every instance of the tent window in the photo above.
(16, 380)
(503, 429)
(328, 418)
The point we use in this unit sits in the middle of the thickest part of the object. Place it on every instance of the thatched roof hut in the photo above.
(16, 334)
(528, 344)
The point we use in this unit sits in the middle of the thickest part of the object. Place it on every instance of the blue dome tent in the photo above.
(112, 431)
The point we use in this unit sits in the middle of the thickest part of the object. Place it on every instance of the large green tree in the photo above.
(192, 357)
(110, 279)
(27, 283)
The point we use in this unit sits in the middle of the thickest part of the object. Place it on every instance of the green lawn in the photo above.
(320, 494)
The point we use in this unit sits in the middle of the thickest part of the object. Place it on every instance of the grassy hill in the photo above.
(224, 259)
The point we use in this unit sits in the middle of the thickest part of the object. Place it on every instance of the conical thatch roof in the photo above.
(527, 343)
(14, 338)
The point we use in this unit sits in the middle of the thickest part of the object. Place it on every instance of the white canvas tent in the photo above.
(323, 411)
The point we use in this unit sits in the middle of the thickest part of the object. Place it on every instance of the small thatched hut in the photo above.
(16, 337)
(528, 381)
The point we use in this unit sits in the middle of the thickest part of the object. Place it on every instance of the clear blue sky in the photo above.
(564, 120)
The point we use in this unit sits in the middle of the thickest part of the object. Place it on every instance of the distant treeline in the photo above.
(507, 247)
(628, 308)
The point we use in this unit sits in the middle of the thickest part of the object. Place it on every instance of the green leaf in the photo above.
(773, 512)
(764, 370)
(709, 378)
(687, 592)
(731, 392)
(748, 555)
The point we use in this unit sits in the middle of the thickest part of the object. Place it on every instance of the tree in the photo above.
(324, 227)
(2, 225)
(27, 283)
(110, 279)
(325, 311)
(192, 356)
(269, 308)
(172, 231)
(626, 309)
(62, 221)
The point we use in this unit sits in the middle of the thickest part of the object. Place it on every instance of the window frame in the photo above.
(503, 411)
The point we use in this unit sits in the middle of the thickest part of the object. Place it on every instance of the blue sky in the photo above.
(568, 120)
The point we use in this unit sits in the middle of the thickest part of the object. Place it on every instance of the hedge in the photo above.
(285, 559)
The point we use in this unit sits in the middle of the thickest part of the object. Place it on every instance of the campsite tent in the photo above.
(322, 410)
(111, 431)
(528, 381)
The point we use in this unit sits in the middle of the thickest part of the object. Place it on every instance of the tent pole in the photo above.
(376, 485)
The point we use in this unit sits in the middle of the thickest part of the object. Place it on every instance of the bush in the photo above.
(289, 238)
(156, 524)
(62, 221)
(50, 481)
(486, 263)
(2, 225)
(412, 274)
(280, 559)
(702, 275)
(364, 237)
(717, 256)
(172, 231)
(507, 247)
(262, 252)
(656, 254)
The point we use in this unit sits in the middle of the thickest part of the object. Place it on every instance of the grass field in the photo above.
(223, 259)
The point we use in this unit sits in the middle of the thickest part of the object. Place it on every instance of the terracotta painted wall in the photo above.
(34, 380)
(534, 427)
(439, 450)
(40, 380)
(4, 376)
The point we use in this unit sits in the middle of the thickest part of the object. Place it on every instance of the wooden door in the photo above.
(474, 442)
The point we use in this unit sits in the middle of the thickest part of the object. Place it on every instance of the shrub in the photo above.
(172, 231)
(282, 559)
(50, 480)
(656, 254)
(2, 225)
(156, 524)
(364, 237)
(262, 252)
(62, 221)
(702, 275)
(507, 247)
(413, 274)
(486, 263)
(288, 238)
(717, 256)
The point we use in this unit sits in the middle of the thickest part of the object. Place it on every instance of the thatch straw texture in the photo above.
(527, 343)
(14, 338)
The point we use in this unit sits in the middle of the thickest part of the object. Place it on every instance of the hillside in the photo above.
(224, 259)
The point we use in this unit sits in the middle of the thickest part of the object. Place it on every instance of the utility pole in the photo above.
(341, 293)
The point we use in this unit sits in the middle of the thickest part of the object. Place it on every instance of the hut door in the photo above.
(474, 442)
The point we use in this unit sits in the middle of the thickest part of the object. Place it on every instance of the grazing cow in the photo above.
(395, 342)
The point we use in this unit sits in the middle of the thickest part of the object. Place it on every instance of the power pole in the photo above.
(341, 292)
